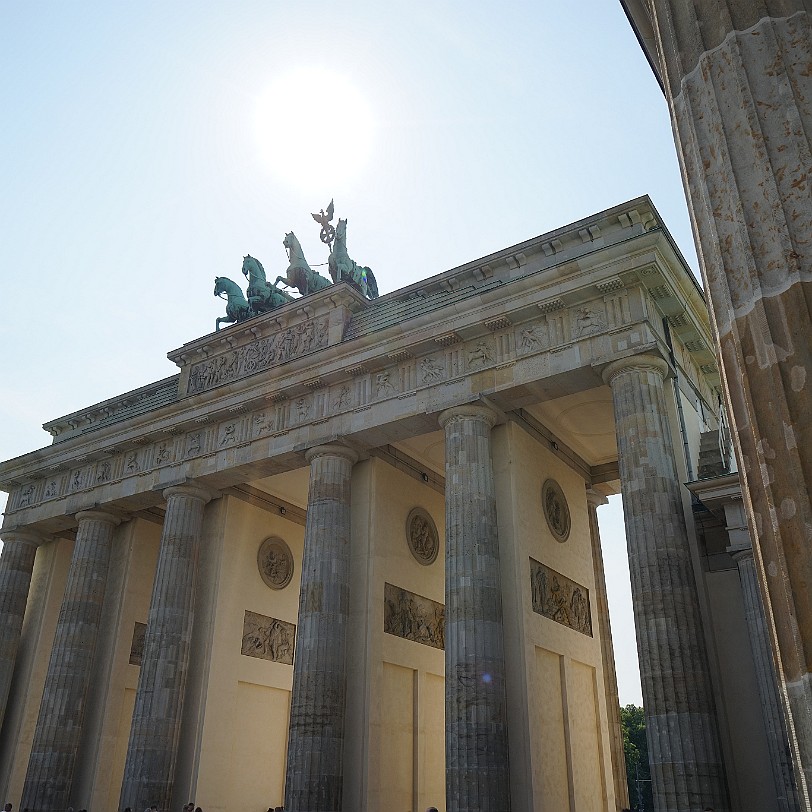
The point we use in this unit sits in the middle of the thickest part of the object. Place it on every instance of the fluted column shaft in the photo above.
(16, 566)
(740, 93)
(772, 712)
(49, 777)
(315, 772)
(153, 746)
(621, 785)
(477, 768)
(686, 764)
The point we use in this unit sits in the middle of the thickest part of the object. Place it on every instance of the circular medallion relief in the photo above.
(556, 510)
(421, 533)
(275, 562)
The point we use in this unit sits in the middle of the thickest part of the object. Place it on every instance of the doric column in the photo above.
(686, 764)
(476, 741)
(774, 725)
(49, 778)
(16, 566)
(594, 499)
(316, 740)
(740, 93)
(152, 751)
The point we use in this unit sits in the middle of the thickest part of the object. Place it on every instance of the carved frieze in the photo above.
(413, 617)
(275, 562)
(559, 598)
(137, 645)
(258, 355)
(422, 536)
(268, 638)
(556, 509)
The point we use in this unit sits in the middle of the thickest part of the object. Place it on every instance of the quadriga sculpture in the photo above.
(237, 308)
(299, 274)
(344, 269)
(262, 296)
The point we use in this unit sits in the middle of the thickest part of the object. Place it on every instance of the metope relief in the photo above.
(422, 536)
(560, 599)
(275, 563)
(137, 645)
(588, 321)
(556, 510)
(258, 355)
(268, 638)
(413, 617)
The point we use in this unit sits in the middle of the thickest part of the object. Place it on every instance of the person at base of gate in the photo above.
(432, 809)
(7, 808)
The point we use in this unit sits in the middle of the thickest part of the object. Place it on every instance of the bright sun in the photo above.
(314, 128)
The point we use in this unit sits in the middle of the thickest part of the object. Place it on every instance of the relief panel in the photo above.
(560, 599)
(413, 617)
(268, 638)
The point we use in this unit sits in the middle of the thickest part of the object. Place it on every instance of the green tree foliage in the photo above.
(635, 748)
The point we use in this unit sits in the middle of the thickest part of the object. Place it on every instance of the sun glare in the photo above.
(314, 128)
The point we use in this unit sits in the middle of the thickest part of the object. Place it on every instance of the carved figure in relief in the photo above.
(103, 471)
(344, 269)
(261, 424)
(383, 384)
(480, 355)
(275, 563)
(413, 617)
(50, 490)
(430, 370)
(78, 480)
(229, 434)
(299, 274)
(579, 610)
(531, 339)
(131, 462)
(26, 495)
(303, 408)
(343, 397)
(587, 321)
(267, 638)
(193, 446)
(164, 453)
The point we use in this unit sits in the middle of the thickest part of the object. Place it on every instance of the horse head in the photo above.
(252, 268)
(218, 288)
(341, 231)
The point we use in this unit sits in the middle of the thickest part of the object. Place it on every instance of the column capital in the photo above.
(595, 499)
(472, 411)
(332, 450)
(190, 489)
(24, 536)
(642, 363)
(99, 516)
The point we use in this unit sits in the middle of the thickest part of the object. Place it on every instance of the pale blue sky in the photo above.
(133, 169)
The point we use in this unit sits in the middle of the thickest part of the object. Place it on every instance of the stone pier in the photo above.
(152, 751)
(738, 84)
(684, 752)
(316, 739)
(477, 765)
(16, 566)
(594, 500)
(49, 778)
